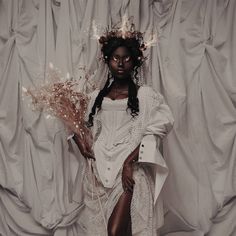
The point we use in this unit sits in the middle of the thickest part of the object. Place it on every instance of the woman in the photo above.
(127, 120)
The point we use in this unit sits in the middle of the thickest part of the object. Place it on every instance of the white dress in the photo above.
(116, 135)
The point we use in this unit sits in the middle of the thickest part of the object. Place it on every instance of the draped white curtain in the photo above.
(193, 65)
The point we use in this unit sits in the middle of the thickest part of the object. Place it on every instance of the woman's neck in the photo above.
(120, 83)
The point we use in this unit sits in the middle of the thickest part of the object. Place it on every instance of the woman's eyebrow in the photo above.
(125, 55)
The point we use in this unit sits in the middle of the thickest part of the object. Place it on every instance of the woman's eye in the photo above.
(114, 58)
(126, 59)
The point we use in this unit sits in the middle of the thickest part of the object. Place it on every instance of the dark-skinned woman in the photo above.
(122, 195)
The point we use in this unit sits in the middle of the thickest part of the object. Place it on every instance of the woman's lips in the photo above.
(120, 71)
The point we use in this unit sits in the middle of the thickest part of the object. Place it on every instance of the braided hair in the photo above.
(108, 47)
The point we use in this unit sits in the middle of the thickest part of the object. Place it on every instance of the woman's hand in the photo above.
(127, 177)
(127, 172)
(84, 146)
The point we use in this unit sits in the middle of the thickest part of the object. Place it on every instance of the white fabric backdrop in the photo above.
(193, 65)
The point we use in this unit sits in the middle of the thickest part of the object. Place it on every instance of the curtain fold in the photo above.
(192, 65)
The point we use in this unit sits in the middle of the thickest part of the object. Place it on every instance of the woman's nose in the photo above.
(120, 64)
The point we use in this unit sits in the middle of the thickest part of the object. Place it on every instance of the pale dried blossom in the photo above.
(59, 97)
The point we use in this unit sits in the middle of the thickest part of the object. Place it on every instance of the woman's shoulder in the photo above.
(146, 91)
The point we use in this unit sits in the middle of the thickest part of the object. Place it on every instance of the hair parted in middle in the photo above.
(135, 46)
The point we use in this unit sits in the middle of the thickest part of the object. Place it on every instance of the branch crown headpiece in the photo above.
(126, 30)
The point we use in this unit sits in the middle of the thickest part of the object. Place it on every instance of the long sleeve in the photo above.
(157, 122)
(159, 117)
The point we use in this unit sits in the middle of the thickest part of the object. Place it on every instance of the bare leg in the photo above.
(120, 220)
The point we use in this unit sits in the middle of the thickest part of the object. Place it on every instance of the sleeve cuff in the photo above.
(149, 151)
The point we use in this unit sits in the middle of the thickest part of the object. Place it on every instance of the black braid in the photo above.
(98, 101)
(133, 102)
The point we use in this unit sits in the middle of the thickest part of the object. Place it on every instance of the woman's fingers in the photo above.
(127, 180)
(128, 184)
(89, 155)
(128, 188)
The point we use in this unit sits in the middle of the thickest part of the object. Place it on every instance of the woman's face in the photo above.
(121, 63)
